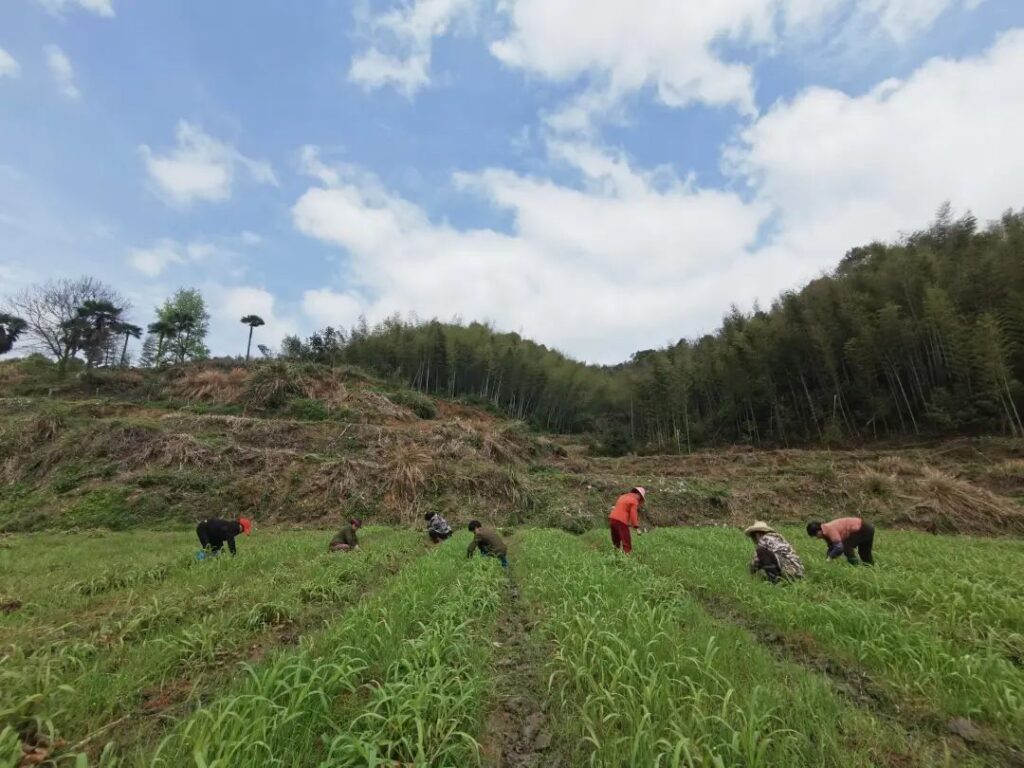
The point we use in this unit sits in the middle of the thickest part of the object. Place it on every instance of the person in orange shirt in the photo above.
(844, 536)
(625, 515)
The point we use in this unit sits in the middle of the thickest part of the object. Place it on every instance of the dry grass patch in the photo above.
(406, 476)
(211, 385)
(943, 502)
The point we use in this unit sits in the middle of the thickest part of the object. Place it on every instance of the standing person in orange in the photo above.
(625, 515)
(845, 536)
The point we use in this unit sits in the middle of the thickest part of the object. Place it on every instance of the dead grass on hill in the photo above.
(406, 476)
(176, 450)
(944, 503)
(211, 385)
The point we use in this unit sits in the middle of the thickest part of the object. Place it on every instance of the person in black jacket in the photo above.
(214, 532)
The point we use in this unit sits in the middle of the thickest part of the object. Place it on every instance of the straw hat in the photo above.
(759, 526)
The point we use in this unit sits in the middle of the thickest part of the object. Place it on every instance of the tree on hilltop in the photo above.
(11, 327)
(254, 322)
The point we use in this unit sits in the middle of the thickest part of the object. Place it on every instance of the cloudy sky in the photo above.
(600, 175)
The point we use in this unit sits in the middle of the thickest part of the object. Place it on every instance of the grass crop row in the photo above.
(189, 633)
(902, 653)
(399, 681)
(643, 676)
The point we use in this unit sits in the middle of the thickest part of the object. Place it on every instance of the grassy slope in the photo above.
(119, 449)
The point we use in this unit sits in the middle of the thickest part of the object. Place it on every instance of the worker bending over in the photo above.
(844, 536)
(488, 542)
(773, 555)
(625, 515)
(213, 532)
(437, 527)
(346, 540)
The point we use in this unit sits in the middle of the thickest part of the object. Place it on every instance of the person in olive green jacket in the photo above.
(488, 542)
(346, 540)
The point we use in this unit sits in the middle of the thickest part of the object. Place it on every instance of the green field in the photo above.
(121, 649)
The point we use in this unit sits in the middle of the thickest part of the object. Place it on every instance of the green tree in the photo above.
(254, 322)
(50, 311)
(185, 313)
(96, 320)
(11, 328)
(129, 331)
(154, 347)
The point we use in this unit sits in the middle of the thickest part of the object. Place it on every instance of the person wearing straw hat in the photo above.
(773, 555)
(625, 515)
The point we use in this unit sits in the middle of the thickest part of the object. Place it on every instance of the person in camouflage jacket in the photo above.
(773, 555)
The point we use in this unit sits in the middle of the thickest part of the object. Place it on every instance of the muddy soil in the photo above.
(518, 733)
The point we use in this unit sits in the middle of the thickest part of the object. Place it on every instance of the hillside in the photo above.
(305, 444)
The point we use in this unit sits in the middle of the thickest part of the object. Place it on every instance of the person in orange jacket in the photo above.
(625, 515)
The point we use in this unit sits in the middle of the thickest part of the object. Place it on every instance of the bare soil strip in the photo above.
(518, 728)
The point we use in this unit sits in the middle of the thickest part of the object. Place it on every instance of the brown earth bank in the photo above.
(296, 446)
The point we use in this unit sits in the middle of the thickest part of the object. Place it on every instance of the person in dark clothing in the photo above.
(437, 527)
(845, 536)
(488, 542)
(213, 532)
(346, 540)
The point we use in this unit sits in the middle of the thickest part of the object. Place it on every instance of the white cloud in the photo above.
(402, 41)
(228, 304)
(62, 72)
(328, 307)
(903, 19)
(9, 67)
(674, 49)
(842, 170)
(200, 167)
(625, 47)
(627, 259)
(574, 271)
(99, 7)
(164, 253)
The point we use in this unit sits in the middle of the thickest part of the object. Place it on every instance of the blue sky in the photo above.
(602, 181)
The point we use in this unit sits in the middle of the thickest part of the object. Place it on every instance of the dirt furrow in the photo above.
(518, 728)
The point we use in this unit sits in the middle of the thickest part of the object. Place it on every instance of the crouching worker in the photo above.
(845, 536)
(346, 540)
(213, 532)
(625, 515)
(488, 542)
(437, 527)
(773, 555)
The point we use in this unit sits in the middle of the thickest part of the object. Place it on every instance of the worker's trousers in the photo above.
(860, 542)
(621, 538)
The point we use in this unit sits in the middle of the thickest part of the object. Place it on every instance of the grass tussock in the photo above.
(942, 502)
(405, 478)
(211, 385)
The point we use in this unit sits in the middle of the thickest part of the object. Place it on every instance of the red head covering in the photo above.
(246, 524)
(356, 522)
